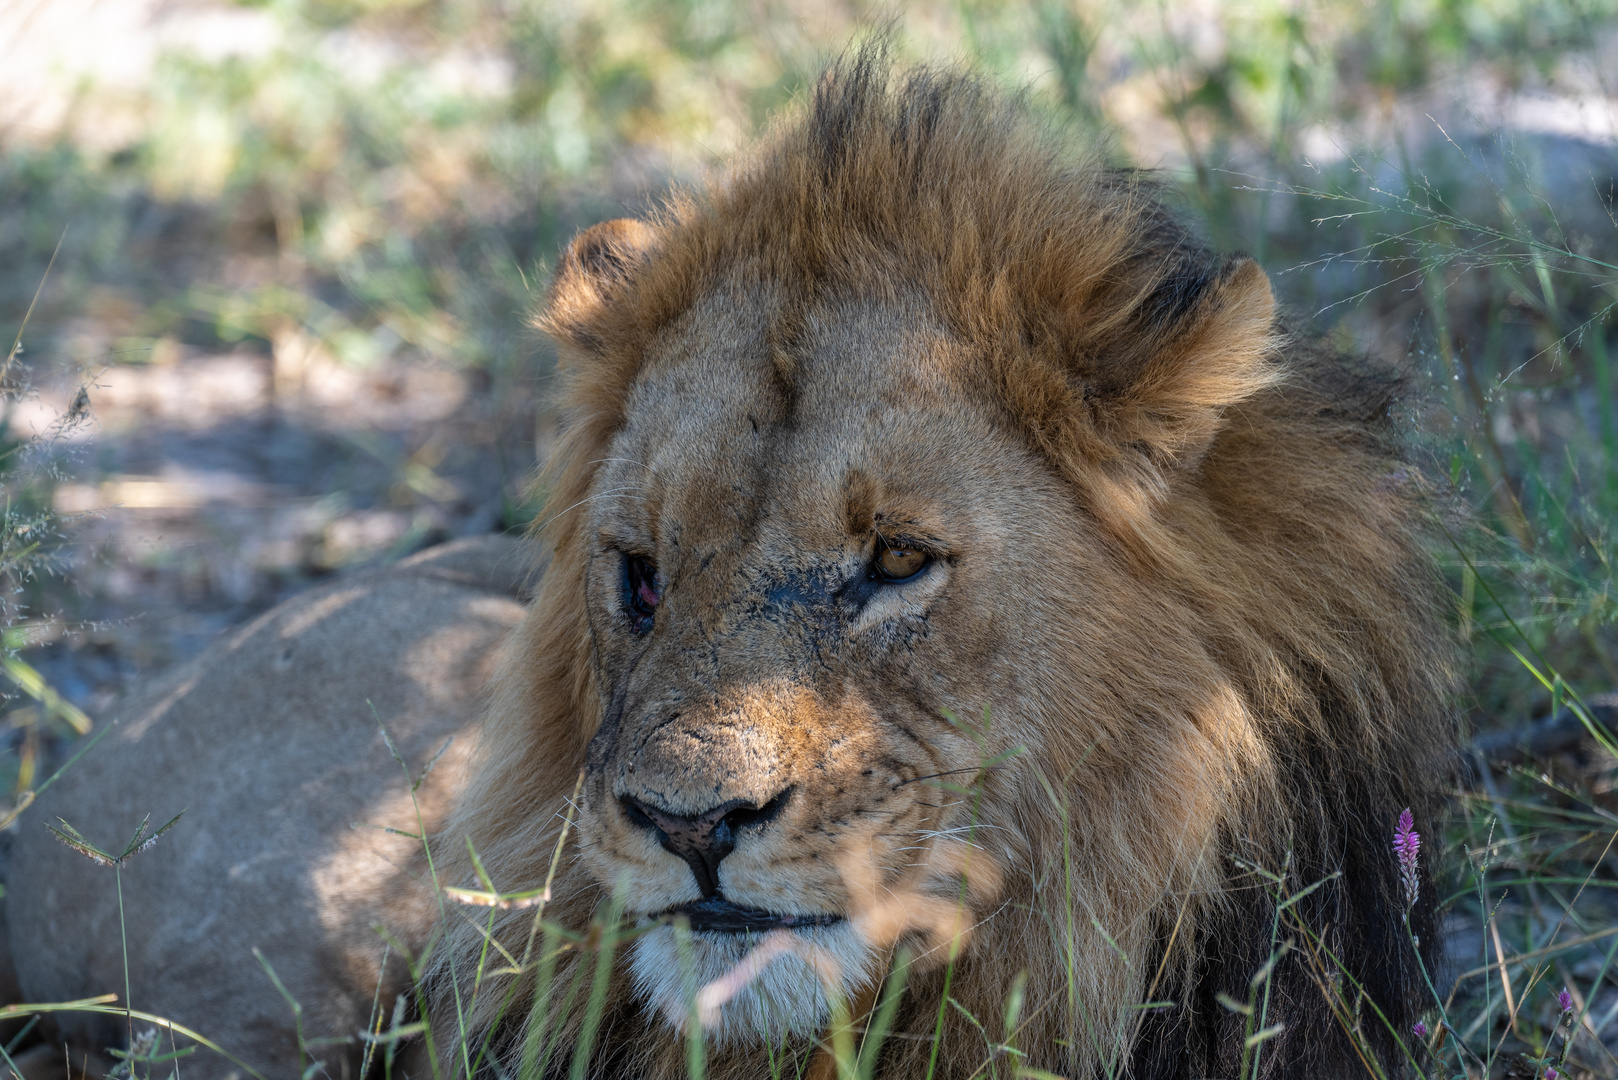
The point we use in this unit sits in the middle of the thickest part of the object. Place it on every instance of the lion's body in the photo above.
(1170, 549)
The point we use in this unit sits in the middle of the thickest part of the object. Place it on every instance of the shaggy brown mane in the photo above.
(1268, 531)
(1068, 278)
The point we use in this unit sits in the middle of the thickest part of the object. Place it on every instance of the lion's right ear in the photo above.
(595, 268)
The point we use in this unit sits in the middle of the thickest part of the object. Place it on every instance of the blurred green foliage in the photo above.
(410, 166)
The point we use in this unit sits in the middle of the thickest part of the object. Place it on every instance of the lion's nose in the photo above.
(703, 839)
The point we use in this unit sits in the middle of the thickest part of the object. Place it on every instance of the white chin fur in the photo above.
(786, 998)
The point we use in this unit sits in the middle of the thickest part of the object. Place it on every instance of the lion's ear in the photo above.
(1148, 376)
(1202, 340)
(599, 262)
(1208, 349)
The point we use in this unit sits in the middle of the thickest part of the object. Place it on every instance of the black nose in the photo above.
(703, 839)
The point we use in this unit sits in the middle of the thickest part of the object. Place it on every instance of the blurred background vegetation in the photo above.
(284, 252)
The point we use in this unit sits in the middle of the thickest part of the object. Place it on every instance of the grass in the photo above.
(30, 532)
(396, 218)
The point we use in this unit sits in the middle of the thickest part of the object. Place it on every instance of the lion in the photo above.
(956, 565)
(971, 613)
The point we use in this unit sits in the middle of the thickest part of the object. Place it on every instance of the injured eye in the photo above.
(643, 591)
(895, 564)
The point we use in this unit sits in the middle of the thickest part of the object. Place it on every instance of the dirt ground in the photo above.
(205, 488)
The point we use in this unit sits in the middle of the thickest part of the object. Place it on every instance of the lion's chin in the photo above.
(787, 996)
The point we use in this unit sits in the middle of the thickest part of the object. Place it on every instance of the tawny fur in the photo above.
(1181, 563)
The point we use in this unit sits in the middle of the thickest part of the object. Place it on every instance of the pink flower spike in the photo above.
(1551, 1073)
(1406, 845)
(1419, 1030)
(1564, 1000)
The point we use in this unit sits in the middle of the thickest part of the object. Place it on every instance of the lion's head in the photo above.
(951, 555)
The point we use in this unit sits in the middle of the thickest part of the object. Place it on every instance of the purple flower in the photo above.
(1406, 843)
(1564, 1000)
(1551, 1073)
(1419, 1030)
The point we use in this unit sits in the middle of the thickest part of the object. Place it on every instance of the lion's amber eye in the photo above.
(899, 563)
(643, 591)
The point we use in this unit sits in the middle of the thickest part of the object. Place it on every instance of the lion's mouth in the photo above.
(718, 915)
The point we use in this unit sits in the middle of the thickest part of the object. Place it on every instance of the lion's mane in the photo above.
(1259, 496)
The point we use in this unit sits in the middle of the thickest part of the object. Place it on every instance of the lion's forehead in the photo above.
(740, 422)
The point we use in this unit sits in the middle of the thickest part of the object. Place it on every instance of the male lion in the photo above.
(951, 556)
(953, 563)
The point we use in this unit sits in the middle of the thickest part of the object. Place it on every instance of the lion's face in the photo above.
(793, 599)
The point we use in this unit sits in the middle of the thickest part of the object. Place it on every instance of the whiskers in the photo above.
(941, 775)
(926, 838)
(612, 493)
